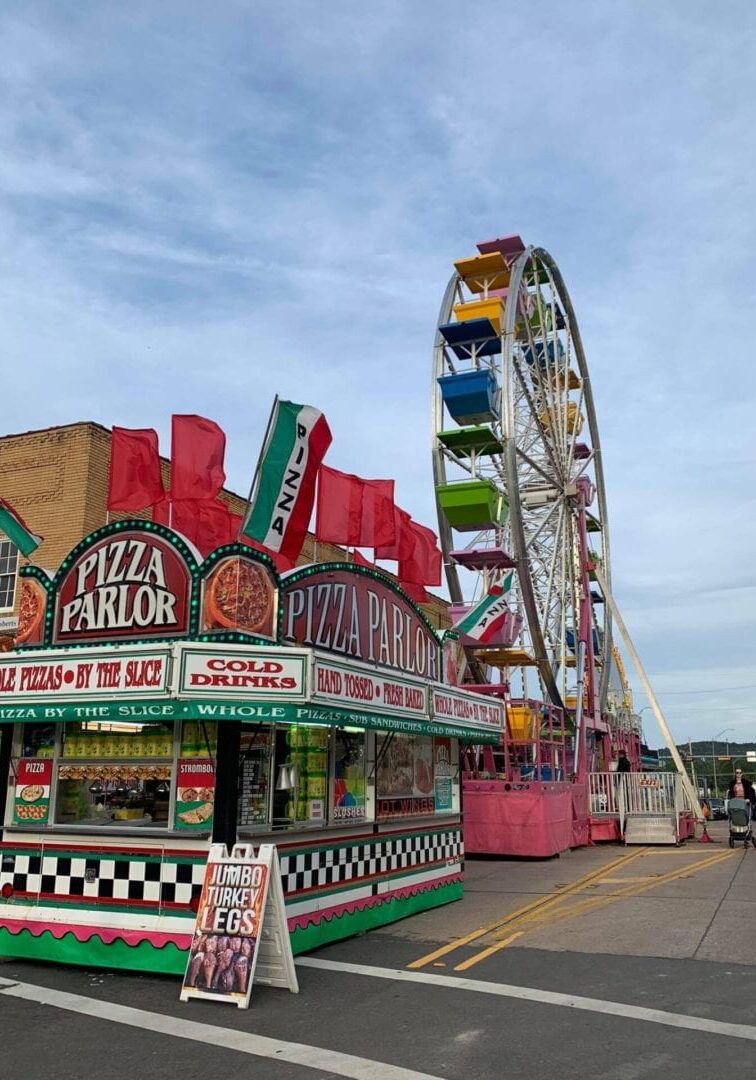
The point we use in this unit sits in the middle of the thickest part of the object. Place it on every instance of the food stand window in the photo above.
(115, 774)
(348, 802)
(254, 776)
(301, 776)
(413, 776)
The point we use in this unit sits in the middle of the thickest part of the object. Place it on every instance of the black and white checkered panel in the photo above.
(102, 878)
(152, 881)
(334, 866)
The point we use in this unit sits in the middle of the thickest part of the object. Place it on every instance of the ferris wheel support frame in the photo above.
(687, 783)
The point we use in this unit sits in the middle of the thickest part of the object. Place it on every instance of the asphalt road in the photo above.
(667, 1015)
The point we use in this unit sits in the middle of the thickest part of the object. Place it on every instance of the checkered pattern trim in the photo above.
(102, 879)
(346, 865)
(151, 882)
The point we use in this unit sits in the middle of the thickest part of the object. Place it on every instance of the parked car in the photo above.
(718, 809)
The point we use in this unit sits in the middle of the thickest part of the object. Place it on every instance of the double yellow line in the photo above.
(550, 909)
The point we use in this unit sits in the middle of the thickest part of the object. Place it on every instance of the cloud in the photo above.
(197, 212)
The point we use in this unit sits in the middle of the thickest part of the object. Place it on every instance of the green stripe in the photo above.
(272, 470)
(25, 541)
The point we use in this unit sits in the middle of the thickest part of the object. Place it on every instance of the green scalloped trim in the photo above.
(335, 927)
(169, 960)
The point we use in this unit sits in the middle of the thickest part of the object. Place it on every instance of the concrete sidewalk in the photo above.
(697, 901)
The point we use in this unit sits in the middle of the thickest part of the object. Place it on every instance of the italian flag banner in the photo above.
(487, 616)
(17, 531)
(284, 491)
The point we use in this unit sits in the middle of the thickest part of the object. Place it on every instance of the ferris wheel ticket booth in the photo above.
(155, 704)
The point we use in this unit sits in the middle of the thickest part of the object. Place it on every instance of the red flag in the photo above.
(360, 560)
(354, 511)
(198, 447)
(415, 592)
(378, 526)
(339, 507)
(207, 523)
(423, 565)
(404, 542)
(135, 481)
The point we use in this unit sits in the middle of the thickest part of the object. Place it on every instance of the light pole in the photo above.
(714, 760)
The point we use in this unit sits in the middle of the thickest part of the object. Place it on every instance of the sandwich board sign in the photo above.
(240, 933)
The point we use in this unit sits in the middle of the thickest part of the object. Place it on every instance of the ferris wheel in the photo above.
(518, 475)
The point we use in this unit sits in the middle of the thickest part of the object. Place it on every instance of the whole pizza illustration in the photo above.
(239, 596)
(31, 611)
(32, 792)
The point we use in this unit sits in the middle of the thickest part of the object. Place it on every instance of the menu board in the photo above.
(404, 777)
(254, 781)
(442, 773)
(31, 804)
(195, 793)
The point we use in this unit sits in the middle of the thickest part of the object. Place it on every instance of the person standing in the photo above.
(623, 762)
(741, 788)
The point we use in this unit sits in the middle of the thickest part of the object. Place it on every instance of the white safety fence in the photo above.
(637, 793)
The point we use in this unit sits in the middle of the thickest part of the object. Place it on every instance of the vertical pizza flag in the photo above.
(16, 529)
(489, 615)
(135, 481)
(283, 491)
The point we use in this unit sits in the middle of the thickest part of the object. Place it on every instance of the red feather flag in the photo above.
(403, 544)
(135, 481)
(198, 447)
(354, 511)
(423, 565)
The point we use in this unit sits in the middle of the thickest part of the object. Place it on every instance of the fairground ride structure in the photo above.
(519, 476)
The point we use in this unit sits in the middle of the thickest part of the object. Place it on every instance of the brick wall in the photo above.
(57, 479)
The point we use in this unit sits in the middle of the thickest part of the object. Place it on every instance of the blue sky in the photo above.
(200, 207)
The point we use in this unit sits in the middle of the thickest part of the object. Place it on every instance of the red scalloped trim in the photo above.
(310, 918)
(106, 934)
(83, 932)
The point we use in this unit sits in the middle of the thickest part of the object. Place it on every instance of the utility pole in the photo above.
(714, 765)
(692, 764)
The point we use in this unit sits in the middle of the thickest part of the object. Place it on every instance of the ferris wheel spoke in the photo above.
(537, 420)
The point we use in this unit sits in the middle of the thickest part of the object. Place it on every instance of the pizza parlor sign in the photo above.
(360, 615)
(126, 585)
(134, 581)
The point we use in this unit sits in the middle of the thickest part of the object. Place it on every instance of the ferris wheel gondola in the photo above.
(519, 480)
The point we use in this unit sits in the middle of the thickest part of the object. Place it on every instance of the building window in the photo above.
(8, 568)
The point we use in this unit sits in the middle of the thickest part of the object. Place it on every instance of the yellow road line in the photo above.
(541, 903)
(582, 907)
(487, 952)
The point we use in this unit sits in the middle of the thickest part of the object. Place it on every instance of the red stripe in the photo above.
(293, 539)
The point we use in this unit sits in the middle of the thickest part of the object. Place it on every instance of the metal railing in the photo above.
(619, 794)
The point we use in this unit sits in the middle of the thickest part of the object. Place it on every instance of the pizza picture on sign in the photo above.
(31, 613)
(240, 595)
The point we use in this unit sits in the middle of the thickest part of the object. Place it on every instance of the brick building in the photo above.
(57, 479)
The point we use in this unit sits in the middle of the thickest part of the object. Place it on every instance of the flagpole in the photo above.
(256, 476)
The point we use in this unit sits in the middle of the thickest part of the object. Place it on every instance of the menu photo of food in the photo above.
(32, 798)
(195, 794)
(240, 595)
(405, 775)
(31, 614)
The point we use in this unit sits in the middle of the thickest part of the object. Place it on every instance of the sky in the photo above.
(203, 206)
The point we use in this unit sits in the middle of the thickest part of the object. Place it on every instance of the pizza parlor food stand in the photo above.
(155, 703)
